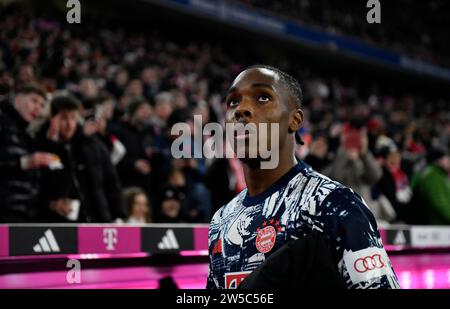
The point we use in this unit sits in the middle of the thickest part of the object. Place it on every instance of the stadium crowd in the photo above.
(420, 38)
(86, 114)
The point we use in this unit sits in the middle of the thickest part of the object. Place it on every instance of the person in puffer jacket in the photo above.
(20, 163)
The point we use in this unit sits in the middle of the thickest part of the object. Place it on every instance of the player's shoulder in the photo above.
(230, 207)
(331, 195)
(319, 181)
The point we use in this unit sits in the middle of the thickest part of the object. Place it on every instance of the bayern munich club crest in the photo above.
(267, 235)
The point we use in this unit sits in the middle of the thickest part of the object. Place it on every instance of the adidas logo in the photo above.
(169, 241)
(400, 238)
(47, 243)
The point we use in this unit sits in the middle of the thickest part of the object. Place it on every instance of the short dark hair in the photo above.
(289, 82)
(32, 88)
(65, 102)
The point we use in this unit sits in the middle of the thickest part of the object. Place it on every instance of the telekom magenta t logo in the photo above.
(110, 238)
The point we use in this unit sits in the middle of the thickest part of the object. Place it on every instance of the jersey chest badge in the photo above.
(267, 236)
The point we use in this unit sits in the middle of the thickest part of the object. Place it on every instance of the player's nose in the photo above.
(243, 112)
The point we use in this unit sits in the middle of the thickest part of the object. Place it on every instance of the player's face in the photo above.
(256, 96)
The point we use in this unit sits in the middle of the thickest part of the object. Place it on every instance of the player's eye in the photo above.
(263, 99)
(233, 102)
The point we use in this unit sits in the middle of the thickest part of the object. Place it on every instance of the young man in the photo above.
(291, 200)
(19, 161)
(85, 188)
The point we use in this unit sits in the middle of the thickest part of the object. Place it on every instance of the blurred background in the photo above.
(100, 97)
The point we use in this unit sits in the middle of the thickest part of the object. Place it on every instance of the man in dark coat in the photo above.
(142, 164)
(85, 182)
(19, 162)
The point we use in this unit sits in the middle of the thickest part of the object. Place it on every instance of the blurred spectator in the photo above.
(137, 206)
(85, 186)
(163, 109)
(150, 81)
(394, 183)
(196, 206)
(137, 136)
(170, 206)
(356, 167)
(318, 156)
(134, 89)
(432, 190)
(25, 75)
(19, 160)
(117, 85)
(88, 89)
(99, 124)
(6, 84)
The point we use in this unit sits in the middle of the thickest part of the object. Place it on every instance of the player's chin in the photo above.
(245, 150)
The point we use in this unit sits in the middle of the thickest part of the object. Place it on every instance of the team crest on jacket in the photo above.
(267, 235)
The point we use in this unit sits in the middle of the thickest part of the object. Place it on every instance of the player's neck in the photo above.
(259, 180)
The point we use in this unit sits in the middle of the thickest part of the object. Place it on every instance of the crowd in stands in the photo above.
(86, 116)
(408, 27)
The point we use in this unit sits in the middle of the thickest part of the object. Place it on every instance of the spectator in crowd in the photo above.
(170, 207)
(20, 162)
(150, 82)
(117, 86)
(318, 156)
(196, 206)
(85, 186)
(25, 75)
(394, 183)
(99, 123)
(431, 187)
(163, 109)
(137, 206)
(136, 135)
(356, 167)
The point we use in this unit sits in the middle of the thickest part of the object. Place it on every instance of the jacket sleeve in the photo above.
(351, 231)
(8, 160)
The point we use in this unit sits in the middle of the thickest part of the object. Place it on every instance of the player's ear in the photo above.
(295, 120)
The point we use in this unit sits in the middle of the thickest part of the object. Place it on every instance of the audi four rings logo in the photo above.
(367, 263)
